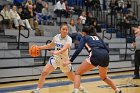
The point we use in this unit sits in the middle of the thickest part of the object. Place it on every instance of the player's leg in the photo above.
(84, 67)
(103, 75)
(46, 71)
(50, 67)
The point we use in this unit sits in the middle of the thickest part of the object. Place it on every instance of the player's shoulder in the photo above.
(57, 36)
(68, 38)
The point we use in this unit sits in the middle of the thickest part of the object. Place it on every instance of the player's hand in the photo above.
(133, 44)
(66, 63)
(136, 31)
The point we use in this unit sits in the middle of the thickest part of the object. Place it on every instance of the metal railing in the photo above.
(20, 34)
(48, 41)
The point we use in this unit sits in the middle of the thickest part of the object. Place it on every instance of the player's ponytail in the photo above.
(89, 30)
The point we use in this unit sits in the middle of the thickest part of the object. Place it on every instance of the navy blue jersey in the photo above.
(92, 42)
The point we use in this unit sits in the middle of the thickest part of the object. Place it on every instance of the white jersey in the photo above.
(59, 43)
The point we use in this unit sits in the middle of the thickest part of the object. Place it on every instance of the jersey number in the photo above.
(95, 38)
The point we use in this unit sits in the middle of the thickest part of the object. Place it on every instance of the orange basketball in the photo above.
(34, 51)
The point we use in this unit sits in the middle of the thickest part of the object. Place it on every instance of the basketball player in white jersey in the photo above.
(62, 43)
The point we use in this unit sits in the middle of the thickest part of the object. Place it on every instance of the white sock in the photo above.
(76, 90)
(81, 88)
(117, 90)
(38, 88)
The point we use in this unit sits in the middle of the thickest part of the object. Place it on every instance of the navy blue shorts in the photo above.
(99, 57)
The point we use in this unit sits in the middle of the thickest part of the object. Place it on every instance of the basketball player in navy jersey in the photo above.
(99, 56)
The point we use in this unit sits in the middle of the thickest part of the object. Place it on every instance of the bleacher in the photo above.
(17, 65)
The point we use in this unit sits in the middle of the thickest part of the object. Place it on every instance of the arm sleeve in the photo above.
(78, 50)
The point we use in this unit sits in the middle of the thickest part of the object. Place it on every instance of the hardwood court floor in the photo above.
(92, 83)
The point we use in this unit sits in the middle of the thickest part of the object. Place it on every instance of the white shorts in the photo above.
(58, 63)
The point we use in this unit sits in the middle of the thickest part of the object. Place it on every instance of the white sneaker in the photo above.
(35, 91)
(119, 92)
(83, 90)
(74, 92)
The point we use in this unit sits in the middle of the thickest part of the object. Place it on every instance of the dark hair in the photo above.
(89, 30)
(63, 24)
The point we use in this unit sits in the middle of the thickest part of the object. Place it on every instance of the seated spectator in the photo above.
(23, 17)
(39, 6)
(46, 15)
(38, 10)
(129, 4)
(15, 17)
(18, 2)
(125, 9)
(83, 18)
(88, 18)
(79, 26)
(29, 2)
(73, 31)
(31, 15)
(69, 9)
(60, 8)
(6, 14)
(113, 5)
(94, 24)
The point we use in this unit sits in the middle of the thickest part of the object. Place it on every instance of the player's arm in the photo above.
(78, 50)
(48, 46)
(65, 47)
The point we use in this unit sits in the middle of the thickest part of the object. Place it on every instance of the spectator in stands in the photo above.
(18, 2)
(29, 2)
(95, 4)
(73, 32)
(69, 9)
(88, 18)
(23, 17)
(60, 9)
(83, 18)
(113, 6)
(6, 14)
(72, 29)
(32, 20)
(46, 15)
(131, 16)
(87, 4)
(39, 6)
(38, 10)
(94, 24)
(15, 17)
(30, 15)
(78, 25)
(137, 55)
(129, 4)
(124, 8)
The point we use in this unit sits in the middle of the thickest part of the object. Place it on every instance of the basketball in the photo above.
(34, 51)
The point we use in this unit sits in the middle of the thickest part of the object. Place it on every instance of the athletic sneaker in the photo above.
(35, 91)
(83, 90)
(119, 92)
